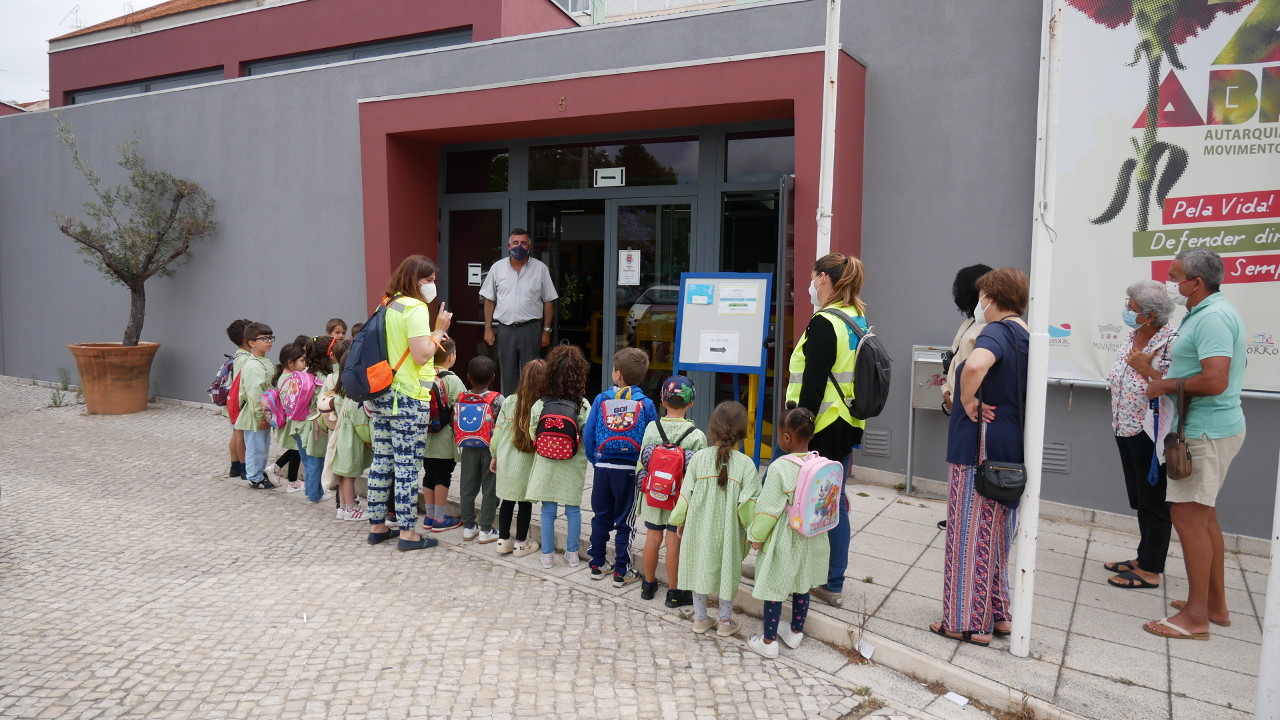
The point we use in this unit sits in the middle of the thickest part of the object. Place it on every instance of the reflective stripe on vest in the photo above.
(831, 406)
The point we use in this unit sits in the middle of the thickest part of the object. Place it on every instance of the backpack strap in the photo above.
(662, 433)
(858, 332)
(618, 395)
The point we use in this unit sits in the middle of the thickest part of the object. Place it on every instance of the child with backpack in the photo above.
(560, 464)
(312, 436)
(513, 459)
(612, 436)
(221, 387)
(667, 446)
(474, 414)
(245, 404)
(717, 501)
(787, 531)
(351, 443)
(292, 359)
(440, 452)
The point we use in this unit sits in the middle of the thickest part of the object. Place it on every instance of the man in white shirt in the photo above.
(518, 301)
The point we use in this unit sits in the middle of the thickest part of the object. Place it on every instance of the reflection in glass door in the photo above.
(660, 233)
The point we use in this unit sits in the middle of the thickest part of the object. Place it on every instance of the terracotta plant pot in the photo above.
(116, 379)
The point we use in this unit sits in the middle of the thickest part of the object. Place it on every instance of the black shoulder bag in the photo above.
(995, 479)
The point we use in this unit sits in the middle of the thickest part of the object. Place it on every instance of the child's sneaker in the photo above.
(528, 547)
(470, 533)
(341, 514)
(445, 523)
(571, 559)
(648, 588)
(728, 629)
(786, 635)
(293, 486)
(600, 572)
(702, 626)
(679, 598)
(620, 581)
(757, 643)
(505, 547)
(487, 536)
(355, 514)
(548, 560)
(269, 472)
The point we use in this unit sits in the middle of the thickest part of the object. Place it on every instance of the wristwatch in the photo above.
(546, 329)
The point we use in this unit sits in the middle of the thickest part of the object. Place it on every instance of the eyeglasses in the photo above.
(268, 338)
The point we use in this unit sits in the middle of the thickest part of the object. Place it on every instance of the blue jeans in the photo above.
(839, 538)
(314, 468)
(256, 445)
(573, 514)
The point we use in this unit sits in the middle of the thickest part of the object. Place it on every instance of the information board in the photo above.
(722, 321)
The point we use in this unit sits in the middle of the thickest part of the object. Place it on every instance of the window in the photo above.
(753, 157)
(473, 171)
(359, 52)
(662, 161)
(145, 86)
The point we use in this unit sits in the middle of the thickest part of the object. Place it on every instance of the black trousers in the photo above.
(517, 345)
(523, 512)
(1154, 524)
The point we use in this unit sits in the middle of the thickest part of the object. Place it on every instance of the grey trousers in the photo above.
(516, 346)
(477, 480)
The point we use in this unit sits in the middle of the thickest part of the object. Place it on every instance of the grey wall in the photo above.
(948, 181)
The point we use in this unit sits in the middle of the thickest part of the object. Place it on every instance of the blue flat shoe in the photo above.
(375, 538)
(422, 542)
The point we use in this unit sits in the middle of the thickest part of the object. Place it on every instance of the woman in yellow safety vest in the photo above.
(822, 359)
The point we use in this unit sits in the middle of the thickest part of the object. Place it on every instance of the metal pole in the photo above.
(1038, 359)
(826, 171)
(1267, 706)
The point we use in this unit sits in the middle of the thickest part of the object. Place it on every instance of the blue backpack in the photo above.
(619, 428)
(368, 372)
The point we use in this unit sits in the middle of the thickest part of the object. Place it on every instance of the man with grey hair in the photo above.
(1208, 359)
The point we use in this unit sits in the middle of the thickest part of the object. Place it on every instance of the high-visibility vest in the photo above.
(831, 408)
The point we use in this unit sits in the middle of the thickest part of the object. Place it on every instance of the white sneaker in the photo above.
(757, 643)
(355, 514)
(293, 486)
(488, 536)
(341, 514)
(548, 560)
(571, 559)
(504, 547)
(470, 533)
(792, 639)
(528, 547)
(270, 470)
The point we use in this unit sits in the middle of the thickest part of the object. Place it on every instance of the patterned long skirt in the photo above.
(980, 532)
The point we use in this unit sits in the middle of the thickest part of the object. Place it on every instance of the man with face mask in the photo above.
(1208, 357)
(519, 298)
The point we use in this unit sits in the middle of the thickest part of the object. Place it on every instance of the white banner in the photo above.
(1167, 139)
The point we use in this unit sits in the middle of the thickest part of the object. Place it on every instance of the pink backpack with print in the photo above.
(296, 391)
(815, 506)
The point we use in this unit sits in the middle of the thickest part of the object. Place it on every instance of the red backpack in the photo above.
(233, 399)
(664, 472)
(474, 418)
(439, 411)
(557, 435)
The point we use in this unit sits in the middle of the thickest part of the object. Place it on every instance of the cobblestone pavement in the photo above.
(137, 584)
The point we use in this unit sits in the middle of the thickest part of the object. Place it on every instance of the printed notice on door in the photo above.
(739, 299)
(718, 348)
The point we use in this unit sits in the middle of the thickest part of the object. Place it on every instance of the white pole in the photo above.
(826, 170)
(1267, 706)
(1024, 564)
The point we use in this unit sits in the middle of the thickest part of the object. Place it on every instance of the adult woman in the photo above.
(823, 357)
(398, 425)
(964, 292)
(1142, 358)
(975, 590)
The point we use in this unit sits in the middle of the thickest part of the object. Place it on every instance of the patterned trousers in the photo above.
(980, 532)
(399, 435)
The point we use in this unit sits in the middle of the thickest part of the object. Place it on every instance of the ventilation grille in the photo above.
(875, 442)
(1057, 458)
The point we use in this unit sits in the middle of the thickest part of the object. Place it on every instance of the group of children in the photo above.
(695, 492)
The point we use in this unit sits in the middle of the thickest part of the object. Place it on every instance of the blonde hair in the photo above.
(847, 275)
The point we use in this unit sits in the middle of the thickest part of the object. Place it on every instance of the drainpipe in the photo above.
(826, 169)
(1267, 706)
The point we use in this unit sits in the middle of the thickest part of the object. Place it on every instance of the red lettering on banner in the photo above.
(1258, 205)
(1236, 269)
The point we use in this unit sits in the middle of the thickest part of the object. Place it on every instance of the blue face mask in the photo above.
(519, 252)
(1131, 319)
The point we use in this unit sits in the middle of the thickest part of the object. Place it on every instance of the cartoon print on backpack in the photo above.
(557, 436)
(474, 419)
(664, 470)
(619, 429)
(815, 507)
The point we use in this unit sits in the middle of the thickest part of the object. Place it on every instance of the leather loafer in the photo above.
(420, 543)
(375, 538)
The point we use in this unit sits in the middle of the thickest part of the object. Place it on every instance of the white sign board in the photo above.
(723, 321)
(628, 267)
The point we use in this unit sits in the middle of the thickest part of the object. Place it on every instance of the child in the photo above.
(352, 445)
(560, 482)
(677, 397)
(716, 501)
(313, 434)
(336, 328)
(612, 436)
(513, 458)
(292, 359)
(235, 333)
(788, 563)
(255, 376)
(440, 454)
(355, 329)
(476, 477)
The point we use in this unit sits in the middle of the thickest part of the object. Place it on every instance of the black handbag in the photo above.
(996, 479)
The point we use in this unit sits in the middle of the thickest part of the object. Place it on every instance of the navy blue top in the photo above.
(1008, 341)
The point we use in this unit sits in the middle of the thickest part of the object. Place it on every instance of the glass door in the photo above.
(647, 247)
(474, 238)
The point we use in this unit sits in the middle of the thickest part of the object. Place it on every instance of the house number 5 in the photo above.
(562, 105)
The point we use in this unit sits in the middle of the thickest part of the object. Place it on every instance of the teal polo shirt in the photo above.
(1211, 329)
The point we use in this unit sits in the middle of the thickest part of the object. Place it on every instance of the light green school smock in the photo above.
(352, 455)
(513, 466)
(714, 541)
(558, 481)
(255, 376)
(674, 428)
(788, 562)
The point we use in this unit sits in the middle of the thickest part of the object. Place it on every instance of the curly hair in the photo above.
(964, 289)
(566, 375)
(727, 428)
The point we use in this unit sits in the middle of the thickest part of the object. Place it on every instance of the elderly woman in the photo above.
(1142, 358)
(990, 389)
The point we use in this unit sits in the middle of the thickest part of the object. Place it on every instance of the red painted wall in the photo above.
(400, 140)
(285, 30)
(8, 110)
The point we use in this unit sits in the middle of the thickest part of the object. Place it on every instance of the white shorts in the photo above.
(1210, 459)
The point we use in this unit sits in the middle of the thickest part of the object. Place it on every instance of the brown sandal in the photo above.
(1179, 604)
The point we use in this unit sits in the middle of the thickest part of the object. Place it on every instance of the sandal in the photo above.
(1179, 604)
(964, 637)
(1134, 581)
(1120, 566)
(1183, 633)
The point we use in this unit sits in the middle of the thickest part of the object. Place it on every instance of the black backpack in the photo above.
(871, 369)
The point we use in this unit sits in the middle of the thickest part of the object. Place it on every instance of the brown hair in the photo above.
(727, 428)
(334, 323)
(444, 349)
(566, 377)
(531, 380)
(633, 363)
(846, 274)
(412, 270)
(1007, 288)
(340, 356)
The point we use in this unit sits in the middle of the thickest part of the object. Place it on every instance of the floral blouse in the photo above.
(1129, 402)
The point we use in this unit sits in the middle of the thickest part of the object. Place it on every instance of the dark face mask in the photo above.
(519, 252)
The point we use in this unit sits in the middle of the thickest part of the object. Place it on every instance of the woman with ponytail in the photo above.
(717, 500)
(821, 377)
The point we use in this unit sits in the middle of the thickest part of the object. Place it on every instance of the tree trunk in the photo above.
(137, 311)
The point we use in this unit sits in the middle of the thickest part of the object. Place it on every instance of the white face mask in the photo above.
(1174, 291)
(813, 294)
(980, 312)
(428, 290)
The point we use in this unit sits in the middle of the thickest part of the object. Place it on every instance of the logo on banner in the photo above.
(1110, 337)
(1263, 343)
(1058, 334)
